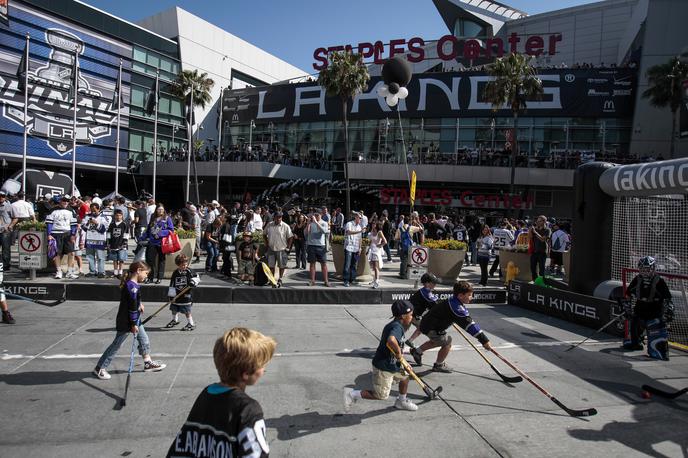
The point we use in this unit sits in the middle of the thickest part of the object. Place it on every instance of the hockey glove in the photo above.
(668, 312)
(171, 292)
(195, 281)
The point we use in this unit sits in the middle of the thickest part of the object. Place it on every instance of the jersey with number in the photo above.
(180, 280)
(502, 238)
(460, 233)
(223, 422)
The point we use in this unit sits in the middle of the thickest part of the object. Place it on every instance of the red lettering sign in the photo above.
(444, 197)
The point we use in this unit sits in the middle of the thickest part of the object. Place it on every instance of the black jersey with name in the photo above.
(180, 280)
(223, 422)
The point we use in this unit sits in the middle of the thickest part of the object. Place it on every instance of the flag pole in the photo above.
(155, 132)
(26, 111)
(75, 88)
(219, 151)
(119, 110)
(188, 157)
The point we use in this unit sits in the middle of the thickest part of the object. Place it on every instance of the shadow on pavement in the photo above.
(295, 426)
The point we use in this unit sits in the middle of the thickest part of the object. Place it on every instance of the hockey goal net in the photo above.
(678, 285)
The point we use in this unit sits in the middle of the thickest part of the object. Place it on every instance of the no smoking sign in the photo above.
(30, 243)
(419, 256)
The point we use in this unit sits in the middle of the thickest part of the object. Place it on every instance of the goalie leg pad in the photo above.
(657, 339)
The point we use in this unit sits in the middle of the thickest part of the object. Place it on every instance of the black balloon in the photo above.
(393, 88)
(396, 70)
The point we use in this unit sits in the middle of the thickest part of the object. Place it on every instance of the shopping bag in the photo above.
(170, 243)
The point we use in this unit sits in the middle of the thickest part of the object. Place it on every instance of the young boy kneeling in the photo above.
(386, 366)
(224, 420)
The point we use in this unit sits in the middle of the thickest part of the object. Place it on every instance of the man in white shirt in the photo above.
(560, 242)
(22, 210)
(150, 208)
(363, 222)
(257, 222)
(502, 238)
(278, 238)
(352, 248)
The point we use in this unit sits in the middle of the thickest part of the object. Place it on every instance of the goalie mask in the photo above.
(646, 266)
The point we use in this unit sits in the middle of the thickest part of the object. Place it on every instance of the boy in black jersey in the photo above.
(117, 243)
(423, 299)
(182, 278)
(224, 420)
(436, 322)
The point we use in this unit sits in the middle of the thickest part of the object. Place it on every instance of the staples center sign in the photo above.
(448, 48)
(464, 199)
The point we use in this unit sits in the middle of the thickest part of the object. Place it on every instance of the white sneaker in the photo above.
(102, 374)
(71, 276)
(376, 285)
(405, 405)
(58, 274)
(349, 400)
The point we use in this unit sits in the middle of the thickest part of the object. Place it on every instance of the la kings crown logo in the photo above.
(52, 116)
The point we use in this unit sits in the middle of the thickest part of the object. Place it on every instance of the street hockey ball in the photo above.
(645, 394)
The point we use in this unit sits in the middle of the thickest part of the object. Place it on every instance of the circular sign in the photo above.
(30, 242)
(419, 256)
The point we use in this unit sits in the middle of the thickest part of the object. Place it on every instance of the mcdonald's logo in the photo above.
(609, 106)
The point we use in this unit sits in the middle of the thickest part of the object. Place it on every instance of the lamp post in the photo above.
(492, 128)
(250, 135)
(175, 128)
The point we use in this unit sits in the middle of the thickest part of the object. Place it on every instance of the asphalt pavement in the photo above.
(52, 406)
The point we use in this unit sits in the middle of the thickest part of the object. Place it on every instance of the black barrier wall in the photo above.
(576, 308)
(593, 218)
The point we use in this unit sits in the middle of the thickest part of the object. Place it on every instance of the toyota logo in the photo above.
(569, 77)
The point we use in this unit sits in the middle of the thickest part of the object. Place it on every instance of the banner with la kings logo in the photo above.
(53, 46)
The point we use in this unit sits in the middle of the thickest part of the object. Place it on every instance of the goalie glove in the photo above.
(668, 311)
(195, 281)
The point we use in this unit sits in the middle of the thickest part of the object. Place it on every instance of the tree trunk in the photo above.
(514, 154)
(347, 204)
(673, 134)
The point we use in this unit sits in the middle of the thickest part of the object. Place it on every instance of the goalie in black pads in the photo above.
(436, 322)
(649, 308)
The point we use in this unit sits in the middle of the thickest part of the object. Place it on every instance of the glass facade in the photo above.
(435, 140)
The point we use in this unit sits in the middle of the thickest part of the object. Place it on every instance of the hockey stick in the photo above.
(429, 392)
(38, 301)
(665, 394)
(268, 273)
(123, 401)
(166, 304)
(502, 376)
(572, 412)
(615, 319)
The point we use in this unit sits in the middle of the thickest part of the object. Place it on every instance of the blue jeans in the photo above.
(6, 248)
(473, 248)
(212, 252)
(144, 346)
(350, 266)
(91, 255)
(388, 252)
(403, 263)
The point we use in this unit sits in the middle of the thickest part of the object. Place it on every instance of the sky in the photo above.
(292, 30)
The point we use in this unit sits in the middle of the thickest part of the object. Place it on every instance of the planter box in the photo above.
(520, 260)
(188, 246)
(446, 264)
(362, 269)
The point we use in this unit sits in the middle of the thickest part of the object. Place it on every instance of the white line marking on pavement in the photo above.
(61, 340)
(179, 369)
(503, 346)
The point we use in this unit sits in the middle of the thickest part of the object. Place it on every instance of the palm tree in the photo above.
(345, 77)
(192, 86)
(515, 82)
(665, 90)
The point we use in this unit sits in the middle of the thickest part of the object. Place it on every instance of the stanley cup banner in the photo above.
(54, 47)
(4, 13)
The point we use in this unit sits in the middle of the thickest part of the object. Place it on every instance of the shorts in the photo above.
(63, 243)
(181, 308)
(557, 257)
(246, 267)
(279, 257)
(439, 337)
(383, 380)
(316, 253)
(118, 255)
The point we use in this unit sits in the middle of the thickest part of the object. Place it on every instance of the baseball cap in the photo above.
(247, 234)
(65, 198)
(215, 203)
(401, 308)
(3, 194)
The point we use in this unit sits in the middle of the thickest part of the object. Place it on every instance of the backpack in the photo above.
(556, 246)
(405, 238)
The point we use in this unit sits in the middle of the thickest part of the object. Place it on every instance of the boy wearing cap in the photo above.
(61, 226)
(386, 366)
(247, 256)
(423, 300)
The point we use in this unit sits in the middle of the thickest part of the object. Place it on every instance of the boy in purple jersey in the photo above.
(128, 319)
(224, 420)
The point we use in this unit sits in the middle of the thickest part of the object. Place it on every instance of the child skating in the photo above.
(182, 278)
(386, 366)
(127, 321)
(224, 420)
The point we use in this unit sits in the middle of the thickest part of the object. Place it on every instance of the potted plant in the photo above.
(518, 254)
(363, 267)
(187, 239)
(445, 259)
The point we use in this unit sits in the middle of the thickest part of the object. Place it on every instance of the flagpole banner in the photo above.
(4, 13)
(50, 127)
(413, 187)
